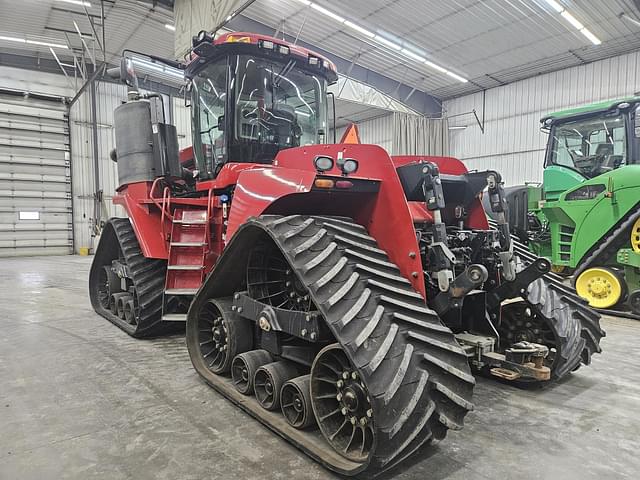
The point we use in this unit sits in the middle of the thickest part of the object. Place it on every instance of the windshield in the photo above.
(208, 97)
(273, 105)
(277, 106)
(591, 146)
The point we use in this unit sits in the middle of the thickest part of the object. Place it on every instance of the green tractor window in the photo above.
(591, 146)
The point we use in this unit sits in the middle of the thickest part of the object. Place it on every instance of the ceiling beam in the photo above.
(419, 100)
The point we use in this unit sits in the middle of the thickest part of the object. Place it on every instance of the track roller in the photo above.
(114, 300)
(244, 366)
(295, 400)
(108, 284)
(222, 334)
(268, 381)
(130, 311)
(120, 303)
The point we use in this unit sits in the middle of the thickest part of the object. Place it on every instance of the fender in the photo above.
(386, 215)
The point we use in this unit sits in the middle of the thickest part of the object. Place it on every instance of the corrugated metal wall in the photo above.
(108, 97)
(513, 143)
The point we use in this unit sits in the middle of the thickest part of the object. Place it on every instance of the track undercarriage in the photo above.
(319, 336)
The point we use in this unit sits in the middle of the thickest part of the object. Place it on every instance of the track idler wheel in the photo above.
(108, 284)
(634, 302)
(295, 401)
(341, 404)
(268, 382)
(244, 367)
(222, 334)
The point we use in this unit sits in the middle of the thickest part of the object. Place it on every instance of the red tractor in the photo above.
(339, 295)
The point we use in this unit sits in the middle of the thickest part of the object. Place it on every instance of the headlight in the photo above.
(323, 163)
(349, 165)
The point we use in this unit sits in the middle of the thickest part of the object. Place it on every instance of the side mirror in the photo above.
(187, 93)
(221, 123)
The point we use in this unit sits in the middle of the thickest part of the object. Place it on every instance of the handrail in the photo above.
(163, 206)
(208, 219)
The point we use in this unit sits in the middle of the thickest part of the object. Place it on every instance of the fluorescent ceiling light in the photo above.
(328, 13)
(358, 28)
(415, 56)
(592, 38)
(457, 127)
(436, 67)
(77, 2)
(630, 19)
(572, 20)
(388, 43)
(168, 26)
(555, 5)
(457, 77)
(408, 52)
(564, 13)
(34, 42)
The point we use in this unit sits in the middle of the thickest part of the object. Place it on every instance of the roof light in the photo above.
(415, 56)
(283, 49)
(457, 77)
(571, 19)
(34, 42)
(168, 26)
(564, 13)
(326, 12)
(555, 5)
(436, 67)
(77, 2)
(266, 44)
(313, 60)
(380, 39)
(358, 28)
(388, 43)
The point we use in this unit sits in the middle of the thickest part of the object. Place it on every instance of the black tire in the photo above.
(244, 367)
(219, 335)
(295, 401)
(118, 241)
(416, 372)
(269, 380)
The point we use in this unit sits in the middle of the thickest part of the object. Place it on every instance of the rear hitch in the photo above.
(522, 361)
(518, 287)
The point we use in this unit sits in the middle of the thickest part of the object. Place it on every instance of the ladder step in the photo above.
(188, 244)
(185, 267)
(181, 291)
(174, 317)
(190, 222)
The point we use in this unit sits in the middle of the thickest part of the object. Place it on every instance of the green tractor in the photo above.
(585, 217)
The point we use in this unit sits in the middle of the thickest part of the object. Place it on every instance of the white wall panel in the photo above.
(512, 142)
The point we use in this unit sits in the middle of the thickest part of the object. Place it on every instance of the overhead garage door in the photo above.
(35, 177)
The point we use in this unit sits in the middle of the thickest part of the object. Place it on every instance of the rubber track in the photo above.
(575, 324)
(614, 240)
(415, 371)
(147, 274)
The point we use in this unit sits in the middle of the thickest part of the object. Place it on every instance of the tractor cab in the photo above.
(588, 142)
(252, 96)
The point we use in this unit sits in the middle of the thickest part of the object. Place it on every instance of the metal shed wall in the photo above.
(512, 142)
(35, 178)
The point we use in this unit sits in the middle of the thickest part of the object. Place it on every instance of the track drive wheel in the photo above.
(222, 334)
(602, 287)
(342, 404)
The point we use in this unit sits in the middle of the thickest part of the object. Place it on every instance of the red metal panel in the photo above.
(387, 218)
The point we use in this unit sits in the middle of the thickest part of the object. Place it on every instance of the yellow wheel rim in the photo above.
(600, 287)
(635, 236)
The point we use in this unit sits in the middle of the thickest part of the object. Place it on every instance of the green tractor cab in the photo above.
(585, 216)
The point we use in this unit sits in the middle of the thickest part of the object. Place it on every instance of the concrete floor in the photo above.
(80, 399)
